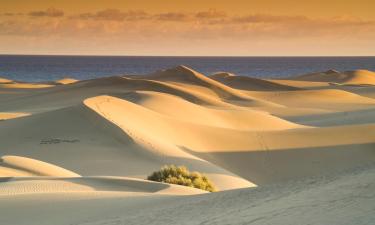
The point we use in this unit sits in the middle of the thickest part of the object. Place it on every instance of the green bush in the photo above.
(182, 176)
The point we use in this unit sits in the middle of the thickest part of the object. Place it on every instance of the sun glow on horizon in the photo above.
(209, 28)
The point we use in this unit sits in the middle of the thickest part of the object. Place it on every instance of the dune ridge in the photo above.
(185, 75)
(22, 166)
(250, 83)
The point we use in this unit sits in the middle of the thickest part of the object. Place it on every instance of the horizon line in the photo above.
(211, 56)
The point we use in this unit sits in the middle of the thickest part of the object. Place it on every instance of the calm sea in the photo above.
(42, 68)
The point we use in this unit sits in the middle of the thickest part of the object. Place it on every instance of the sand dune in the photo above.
(117, 185)
(250, 83)
(327, 76)
(6, 83)
(185, 76)
(235, 118)
(7, 115)
(221, 75)
(57, 140)
(25, 85)
(66, 81)
(360, 77)
(329, 99)
(357, 77)
(302, 84)
(22, 166)
(368, 91)
(5, 80)
(296, 150)
(233, 149)
(149, 130)
(336, 199)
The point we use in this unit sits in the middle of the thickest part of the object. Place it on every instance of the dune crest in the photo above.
(22, 166)
(25, 85)
(11, 115)
(233, 118)
(185, 75)
(220, 75)
(250, 83)
(66, 80)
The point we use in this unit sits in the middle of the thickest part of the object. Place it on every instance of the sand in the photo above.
(5, 80)
(66, 80)
(298, 150)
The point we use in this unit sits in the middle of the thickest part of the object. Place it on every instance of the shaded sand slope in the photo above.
(302, 84)
(281, 156)
(331, 79)
(368, 91)
(363, 116)
(327, 76)
(23, 175)
(116, 186)
(250, 83)
(334, 100)
(325, 107)
(343, 199)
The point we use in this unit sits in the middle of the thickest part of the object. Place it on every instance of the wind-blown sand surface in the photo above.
(299, 150)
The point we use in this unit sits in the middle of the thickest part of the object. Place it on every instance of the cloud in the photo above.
(173, 16)
(10, 14)
(207, 32)
(210, 24)
(7, 14)
(267, 18)
(114, 15)
(50, 12)
(139, 15)
(211, 14)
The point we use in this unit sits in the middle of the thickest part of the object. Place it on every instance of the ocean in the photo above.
(45, 68)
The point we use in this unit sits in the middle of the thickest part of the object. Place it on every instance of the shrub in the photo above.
(182, 176)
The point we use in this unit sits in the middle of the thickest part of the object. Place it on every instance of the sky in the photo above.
(188, 28)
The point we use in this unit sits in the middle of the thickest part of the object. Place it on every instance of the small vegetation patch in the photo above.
(182, 176)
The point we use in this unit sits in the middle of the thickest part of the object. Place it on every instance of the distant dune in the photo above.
(4, 80)
(298, 150)
(357, 77)
(66, 81)
(250, 83)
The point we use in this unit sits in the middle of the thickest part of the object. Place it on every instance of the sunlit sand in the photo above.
(280, 151)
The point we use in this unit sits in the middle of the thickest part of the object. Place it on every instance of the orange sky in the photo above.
(145, 27)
